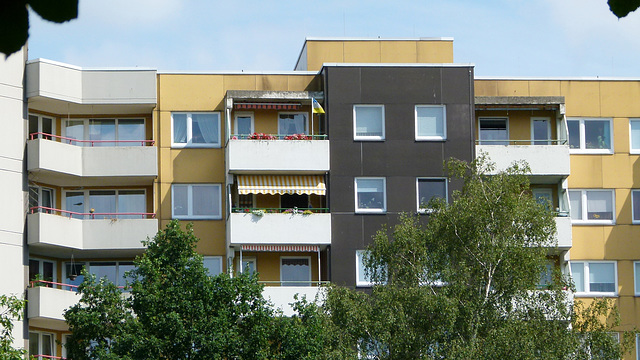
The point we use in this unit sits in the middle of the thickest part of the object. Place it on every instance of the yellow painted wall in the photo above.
(377, 51)
(268, 263)
(519, 122)
(266, 121)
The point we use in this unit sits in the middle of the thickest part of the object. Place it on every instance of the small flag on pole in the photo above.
(317, 109)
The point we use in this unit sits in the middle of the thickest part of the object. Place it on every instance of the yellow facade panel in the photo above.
(620, 98)
(437, 52)
(319, 52)
(616, 171)
(621, 135)
(620, 242)
(588, 243)
(164, 206)
(272, 82)
(163, 140)
(362, 52)
(197, 166)
(212, 235)
(544, 88)
(586, 172)
(582, 98)
(398, 52)
(485, 88)
(304, 83)
(190, 92)
(625, 283)
(623, 207)
(240, 82)
(513, 88)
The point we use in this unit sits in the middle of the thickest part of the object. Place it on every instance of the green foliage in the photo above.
(11, 309)
(622, 8)
(14, 19)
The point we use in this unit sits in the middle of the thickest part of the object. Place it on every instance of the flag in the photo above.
(317, 109)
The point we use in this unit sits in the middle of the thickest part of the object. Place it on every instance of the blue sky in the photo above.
(538, 38)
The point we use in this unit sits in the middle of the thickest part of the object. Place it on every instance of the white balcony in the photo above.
(563, 233)
(66, 89)
(63, 164)
(46, 306)
(282, 296)
(544, 160)
(273, 156)
(280, 229)
(50, 233)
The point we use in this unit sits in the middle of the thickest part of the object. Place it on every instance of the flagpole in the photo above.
(311, 118)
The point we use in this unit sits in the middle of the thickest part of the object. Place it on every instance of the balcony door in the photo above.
(540, 131)
(494, 131)
(295, 271)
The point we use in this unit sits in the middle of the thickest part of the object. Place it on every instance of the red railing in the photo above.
(60, 285)
(69, 140)
(91, 215)
(37, 357)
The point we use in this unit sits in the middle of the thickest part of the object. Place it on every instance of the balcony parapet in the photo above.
(280, 228)
(46, 307)
(283, 296)
(273, 156)
(544, 160)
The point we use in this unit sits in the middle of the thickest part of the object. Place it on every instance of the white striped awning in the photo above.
(281, 248)
(281, 184)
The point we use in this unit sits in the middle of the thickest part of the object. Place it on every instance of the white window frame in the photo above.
(583, 145)
(85, 129)
(444, 124)
(368, 138)
(505, 118)
(87, 205)
(40, 117)
(235, 122)
(588, 292)
(220, 270)
(190, 215)
(189, 143)
(384, 196)
(541, 142)
(360, 270)
(41, 262)
(40, 189)
(53, 344)
(631, 149)
(583, 202)
(297, 257)
(446, 192)
(306, 120)
(248, 259)
(636, 276)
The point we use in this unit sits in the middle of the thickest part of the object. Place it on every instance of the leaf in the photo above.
(622, 8)
(57, 11)
(14, 26)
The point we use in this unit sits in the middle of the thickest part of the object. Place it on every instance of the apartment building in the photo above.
(96, 160)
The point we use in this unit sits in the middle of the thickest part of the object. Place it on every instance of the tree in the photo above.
(622, 8)
(175, 309)
(14, 19)
(463, 286)
(11, 309)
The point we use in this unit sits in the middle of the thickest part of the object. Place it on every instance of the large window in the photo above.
(595, 278)
(590, 135)
(248, 265)
(368, 122)
(105, 132)
(213, 264)
(429, 188)
(361, 277)
(244, 124)
(43, 269)
(123, 204)
(295, 271)
(494, 131)
(114, 271)
(634, 131)
(636, 277)
(292, 123)
(431, 123)
(41, 345)
(196, 201)
(635, 206)
(41, 125)
(371, 195)
(41, 196)
(195, 130)
(592, 206)
(540, 131)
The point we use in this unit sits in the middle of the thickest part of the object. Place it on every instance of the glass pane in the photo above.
(370, 193)
(34, 344)
(213, 264)
(492, 131)
(601, 277)
(180, 200)
(636, 273)
(123, 268)
(47, 198)
(597, 134)
(129, 131)
(34, 269)
(75, 130)
(204, 128)
(47, 127)
(75, 203)
(369, 121)
(362, 278)
(430, 121)
(47, 271)
(430, 188)
(575, 201)
(635, 134)
(546, 277)
(206, 199)
(104, 269)
(243, 124)
(541, 132)
(132, 201)
(635, 195)
(573, 127)
(73, 275)
(101, 130)
(47, 344)
(33, 126)
(289, 124)
(295, 272)
(577, 274)
(102, 201)
(249, 266)
(33, 198)
(543, 197)
(179, 128)
(599, 205)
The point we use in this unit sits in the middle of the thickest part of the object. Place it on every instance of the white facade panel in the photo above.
(278, 229)
(282, 296)
(563, 233)
(279, 155)
(550, 160)
(47, 305)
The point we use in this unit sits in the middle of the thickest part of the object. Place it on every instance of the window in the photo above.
(361, 277)
(196, 202)
(292, 123)
(431, 123)
(543, 196)
(634, 132)
(246, 201)
(540, 131)
(213, 264)
(592, 206)
(636, 277)
(368, 122)
(244, 124)
(131, 203)
(114, 271)
(371, 195)
(428, 189)
(595, 278)
(635, 206)
(40, 196)
(195, 130)
(494, 131)
(43, 269)
(290, 201)
(295, 271)
(41, 125)
(41, 345)
(105, 132)
(248, 265)
(590, 136)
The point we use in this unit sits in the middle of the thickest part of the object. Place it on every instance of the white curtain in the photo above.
(206, 124)
(290, 124)
(179, 128)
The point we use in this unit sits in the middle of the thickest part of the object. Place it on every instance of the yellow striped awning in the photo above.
(281, 184)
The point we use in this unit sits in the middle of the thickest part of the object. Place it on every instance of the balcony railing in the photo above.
(263, 136)
(522, 142)
(73, 141)
(92, 215)
(292, 211)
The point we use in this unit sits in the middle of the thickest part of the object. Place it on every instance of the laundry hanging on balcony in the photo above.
(281, 184)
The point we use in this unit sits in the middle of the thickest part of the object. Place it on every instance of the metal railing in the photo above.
(263, 136)
(90, 215)
(38, 357)
(72, 141)
(274, 283)
(61, 286)
(293, 211)
(522, 142)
